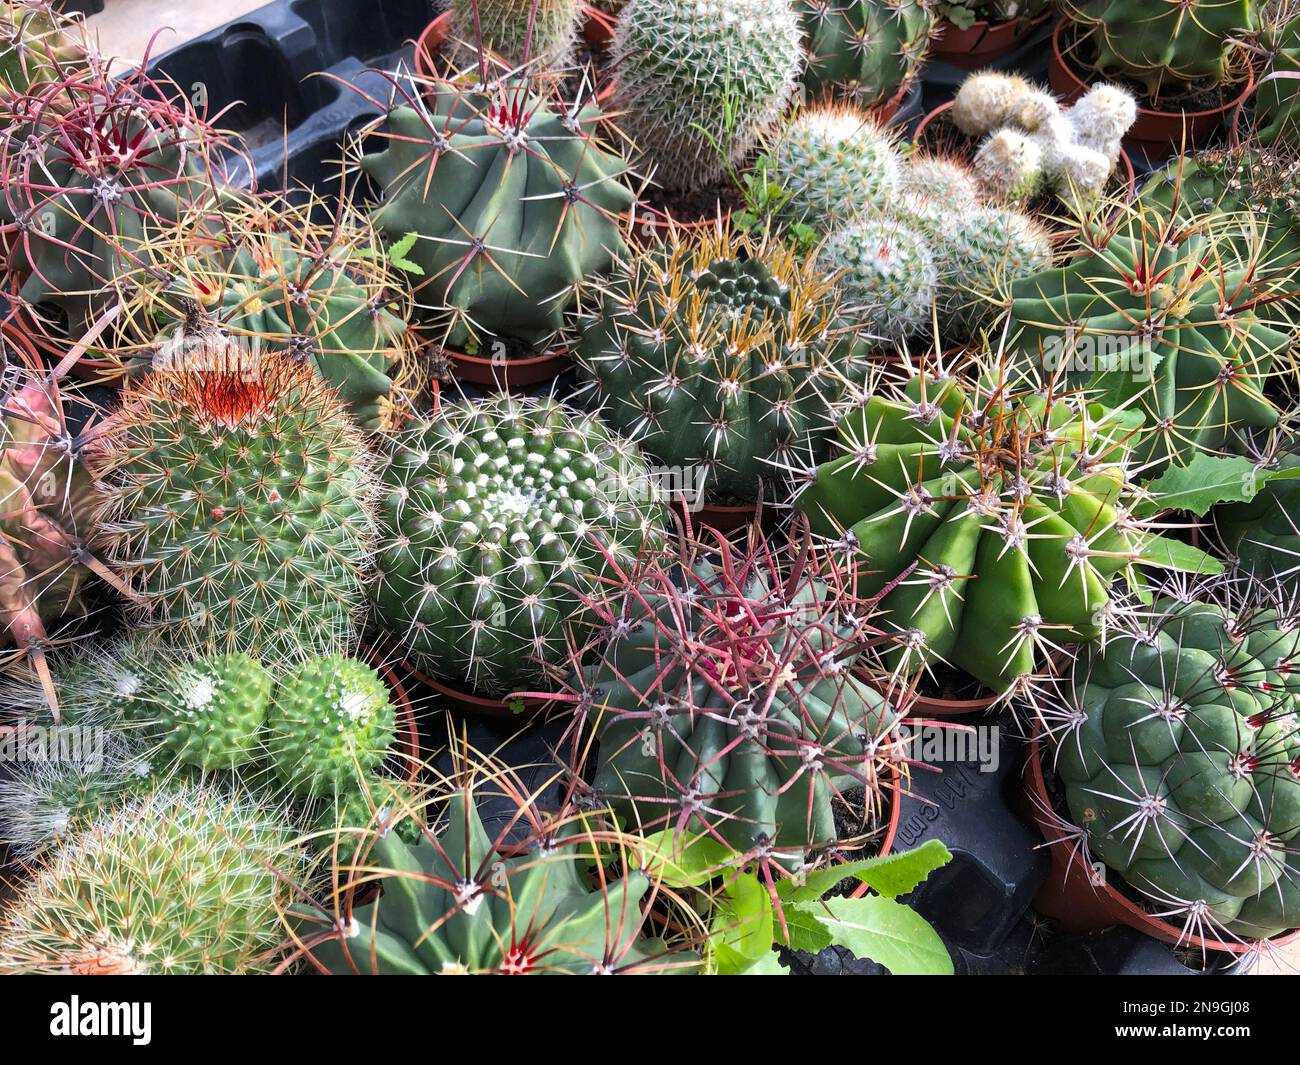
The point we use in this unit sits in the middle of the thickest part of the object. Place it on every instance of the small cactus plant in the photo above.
(37, 42)
(537, 31)
(887, 275)
(869, 50)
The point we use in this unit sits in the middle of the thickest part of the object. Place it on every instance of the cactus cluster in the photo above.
(867, 50)
(534, 31)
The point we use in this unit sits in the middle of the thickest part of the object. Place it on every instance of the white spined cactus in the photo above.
(887, 274)
(987, 101)
(1101, 118)
(1009, 165)
(943, 179)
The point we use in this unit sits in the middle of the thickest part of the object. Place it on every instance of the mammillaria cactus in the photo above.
(939, 180)
(869, 50)
(453, 904)
(1178, 748)
(515, 204)
(700, 80)
(184, 880)
(723, 356)
(496, 514)
(887, 275)
(721, 692)
(237, 501)
(541, 31)
(1167, 320)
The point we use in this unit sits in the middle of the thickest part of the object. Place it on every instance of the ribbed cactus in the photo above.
(542, 31)
(700, 80)
(237, 503)
(37, 42)
(1178, 748)
(185, 880)
(887, 274)
(496, 514)
(866, 49)
(1277, 101)
(723, 356)
(515, 204)
(453, 904)
(1263, 535)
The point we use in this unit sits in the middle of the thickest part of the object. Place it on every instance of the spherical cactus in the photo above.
(887, 275)
(185, 880)
(1009, 165)
(1178, 748)
(496, 513)
(1101, 117)
(989, 101)
(539, 31)
(331, 722)
(515, 205)
(209, 711)
(700, 80)
(237, 502)
(870, 50)
(1263, 535)
(939, 180)
(723, 356)
(834, 163)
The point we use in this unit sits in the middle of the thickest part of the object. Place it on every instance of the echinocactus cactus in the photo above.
(700, 80)
(887, 275)
(834, 162)
(870, 50)
(453, 904)
(237, 502)
(720, 689)
(515, 205)
(36, 43)
(1178, 749)
(1006, 499)
(723, 356)
(496, 513)
(539, 31)
(184, 880)
(1173, 322)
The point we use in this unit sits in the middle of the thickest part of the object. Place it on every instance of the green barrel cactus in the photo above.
(237, 503)
(540, 31)
(187, 880)
(868, 49)
(496, 514)
(515, 205)
(1277, 101)
(1263, 535)
(723, 356)
(331, 722)
(699, 81)
(452, 904)
(1178, 749)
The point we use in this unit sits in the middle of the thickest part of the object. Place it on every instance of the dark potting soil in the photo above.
(944, 682)
(1203, 95)
(696, 205)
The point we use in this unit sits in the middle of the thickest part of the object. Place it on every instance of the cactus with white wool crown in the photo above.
(541, 31)
(866, 50)
(238, 504)
(700, 80)
(939, 179)
(723, 356)
(495, 515)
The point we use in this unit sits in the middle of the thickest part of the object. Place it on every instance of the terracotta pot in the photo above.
(1156, 134)
(721, 519)
(408, 732)
(508, 373)
(1071, 895)
(480, 705)
(983, 43)
(893, 791)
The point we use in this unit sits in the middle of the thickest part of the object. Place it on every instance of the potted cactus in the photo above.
(975, 33)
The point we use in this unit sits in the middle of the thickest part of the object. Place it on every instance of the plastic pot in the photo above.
(1071, 895)
(982, 43)
(1157, 135)
(506, 374)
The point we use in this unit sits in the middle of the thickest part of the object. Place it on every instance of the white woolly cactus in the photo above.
(989, 100)
(887, 274)
(934, 176)
(1101, 118)
(1009, 165)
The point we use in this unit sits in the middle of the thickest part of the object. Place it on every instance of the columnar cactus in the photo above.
(539, 31)
(185, 880)
(238, 503)
(495, 515)
(700, 80)
(887, 274)
(515, 205)
(724, 356)
(1178, 748)
(869, 50)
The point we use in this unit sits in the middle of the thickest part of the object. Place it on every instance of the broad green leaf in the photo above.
(742, 925)
(1203, 482)
(1174, 554)
(887, 932)
(679, 860)
(892, 875)
(768, 965)
(803, 930)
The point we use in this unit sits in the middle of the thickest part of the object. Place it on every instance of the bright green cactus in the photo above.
(542, 30)
(887, 275)
(724, 357)
(1179, 752)
(496, 513)
(209, 711)
(237, 503)
(515, 205)
(700, 80)
(869, 49)
(184, 880)
(331, 722)
(1263, 535)
(452, 904)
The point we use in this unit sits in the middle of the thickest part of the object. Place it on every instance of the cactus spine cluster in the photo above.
(36, 42)
(539, 31)
(700, 80)
(1263, 534)
(869, 50)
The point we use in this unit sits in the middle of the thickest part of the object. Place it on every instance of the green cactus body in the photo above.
(375, 806)
(515, 206)
(453, 905)
(184, 880)
(1264, 533)
(331, 721)
(887, 275)
(1011, 554)
(700, 80)
(723, 357)
(1277, 101)
(543, 31)
(237, 502)
(496, 514)
(868, 49)
(35, 43)
(1179, 755)
(210, 711)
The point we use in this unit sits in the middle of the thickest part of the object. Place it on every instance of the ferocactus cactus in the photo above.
(37, 42)
(368, 809)
(515, 205)
(184, 880)
(496, 514)
(237, 502)
(887, 275)
(1178, 749)
(539, 31)
(700, 80)
(723, 356)
(867, 50)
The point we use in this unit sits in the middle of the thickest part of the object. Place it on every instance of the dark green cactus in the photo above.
(869, 49)
(1263, 535)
